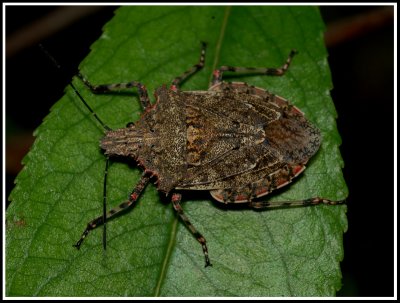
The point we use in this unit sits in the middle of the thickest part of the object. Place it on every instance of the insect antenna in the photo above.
(58, 66)
(105, 204)
(105, 127)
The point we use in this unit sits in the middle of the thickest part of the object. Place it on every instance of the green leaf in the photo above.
(286, 252)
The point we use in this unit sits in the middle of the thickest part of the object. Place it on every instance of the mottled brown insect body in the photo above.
(237, 141)
(232, 138)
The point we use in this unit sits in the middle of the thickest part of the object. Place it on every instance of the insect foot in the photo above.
(299, 203)
(237, 141)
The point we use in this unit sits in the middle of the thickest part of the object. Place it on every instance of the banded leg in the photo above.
(176, 199)
(133, 197)
(105, 88)
(217, 74)
(284, 204)
(178, 80)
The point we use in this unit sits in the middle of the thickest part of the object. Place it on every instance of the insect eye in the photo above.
(130, 124)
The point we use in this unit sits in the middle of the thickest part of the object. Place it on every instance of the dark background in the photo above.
(360, 41)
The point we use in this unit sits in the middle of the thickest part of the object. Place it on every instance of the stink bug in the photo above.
(235, 140)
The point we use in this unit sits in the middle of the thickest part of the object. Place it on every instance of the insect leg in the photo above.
(176, 199)
(217, 74)
(106, 88)
(133, 197)
(178, 80)
(285, 204)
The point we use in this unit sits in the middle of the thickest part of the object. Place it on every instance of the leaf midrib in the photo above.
(174, 229)
(168, 254)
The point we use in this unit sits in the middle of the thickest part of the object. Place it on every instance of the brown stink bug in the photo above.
(235, 140)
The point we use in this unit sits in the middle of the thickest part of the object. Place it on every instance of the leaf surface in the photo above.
(285, 252)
